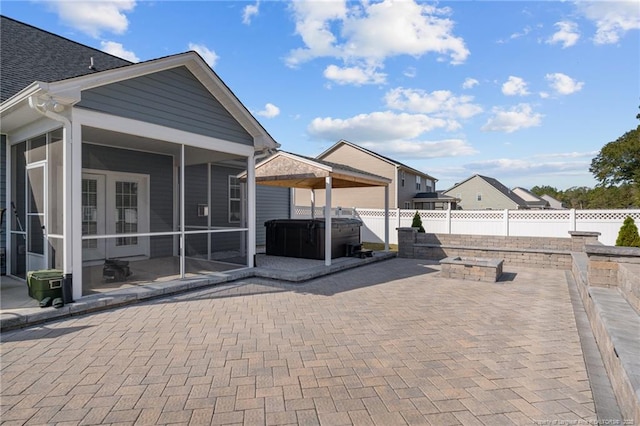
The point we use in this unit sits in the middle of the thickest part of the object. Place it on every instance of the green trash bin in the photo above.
(45, 283)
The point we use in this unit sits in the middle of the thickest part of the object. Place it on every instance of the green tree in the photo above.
(618, 162)
(417, 222)
(545, 190)
(628, 234)
(576, 197)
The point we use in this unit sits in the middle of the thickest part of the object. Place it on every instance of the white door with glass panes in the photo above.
(115, 203)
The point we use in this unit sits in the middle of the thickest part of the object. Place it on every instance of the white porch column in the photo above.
(313, 203)
(327, 221)
(183, 243)
(386, 217)
(251, 210)
(73, 206)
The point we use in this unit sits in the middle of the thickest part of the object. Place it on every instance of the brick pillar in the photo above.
(580, 238)
(406, 240)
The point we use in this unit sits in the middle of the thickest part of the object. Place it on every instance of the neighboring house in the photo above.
(484, 193)
(553, 203)
(111, 159)
(532, 200)
(406, 182)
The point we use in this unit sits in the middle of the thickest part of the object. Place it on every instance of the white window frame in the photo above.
(418, 183)
(233, 180)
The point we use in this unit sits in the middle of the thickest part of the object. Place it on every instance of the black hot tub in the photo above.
(304, 238)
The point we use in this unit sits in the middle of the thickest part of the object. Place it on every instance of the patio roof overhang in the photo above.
(295, 171)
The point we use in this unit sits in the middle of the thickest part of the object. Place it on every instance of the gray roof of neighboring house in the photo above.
(536, 200)
(390, 160)
(498, 186)
(433, 196)
(30, 54)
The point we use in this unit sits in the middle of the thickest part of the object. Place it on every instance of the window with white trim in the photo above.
(402, 177)
(478, 196)
(418, 183)
(234, 199)
(407, 205)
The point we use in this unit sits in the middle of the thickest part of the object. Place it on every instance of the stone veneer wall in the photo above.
(539, 252)
(613, 306)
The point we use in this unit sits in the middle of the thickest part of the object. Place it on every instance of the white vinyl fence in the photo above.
(522, 223)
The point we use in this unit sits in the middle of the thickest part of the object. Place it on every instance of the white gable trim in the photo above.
(154, 131)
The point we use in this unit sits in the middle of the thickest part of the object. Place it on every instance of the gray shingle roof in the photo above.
(29, 54)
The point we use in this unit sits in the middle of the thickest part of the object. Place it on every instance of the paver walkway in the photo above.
(390, 343)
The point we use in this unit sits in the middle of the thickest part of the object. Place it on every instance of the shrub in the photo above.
(628, 235)
(417, 222)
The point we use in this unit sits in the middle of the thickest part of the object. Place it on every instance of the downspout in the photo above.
(50, 109)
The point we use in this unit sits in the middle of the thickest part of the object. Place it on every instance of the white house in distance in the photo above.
(532, 200)
(484, 193)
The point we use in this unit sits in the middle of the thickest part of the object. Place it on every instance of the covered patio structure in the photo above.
(296, 171)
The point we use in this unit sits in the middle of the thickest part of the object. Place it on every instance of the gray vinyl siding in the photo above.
(172, 98)
(272, 202)
(408, 191)
(3, 201)
(160, 170)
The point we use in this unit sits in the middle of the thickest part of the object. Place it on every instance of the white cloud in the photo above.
(367, 33)
(269, 111)
(421, 149)
(567, 34)
(509, 167)
(526, 30)
(516, 118)
(209, 56)
(94, 17)
(563, 84)
(410, 72)
(612, 18)
(375, 127)
(354, 75)
(116, 49)
(470, 83)
(515, 86)
(249, 12)
(587, 154)
(440, 103)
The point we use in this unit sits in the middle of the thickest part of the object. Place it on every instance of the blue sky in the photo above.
(525, 92)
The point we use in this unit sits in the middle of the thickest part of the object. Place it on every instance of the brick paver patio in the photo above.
(391, 343)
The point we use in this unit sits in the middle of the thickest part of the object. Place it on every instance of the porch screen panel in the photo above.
(37, 149)
(16, 216)
(35, 213)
